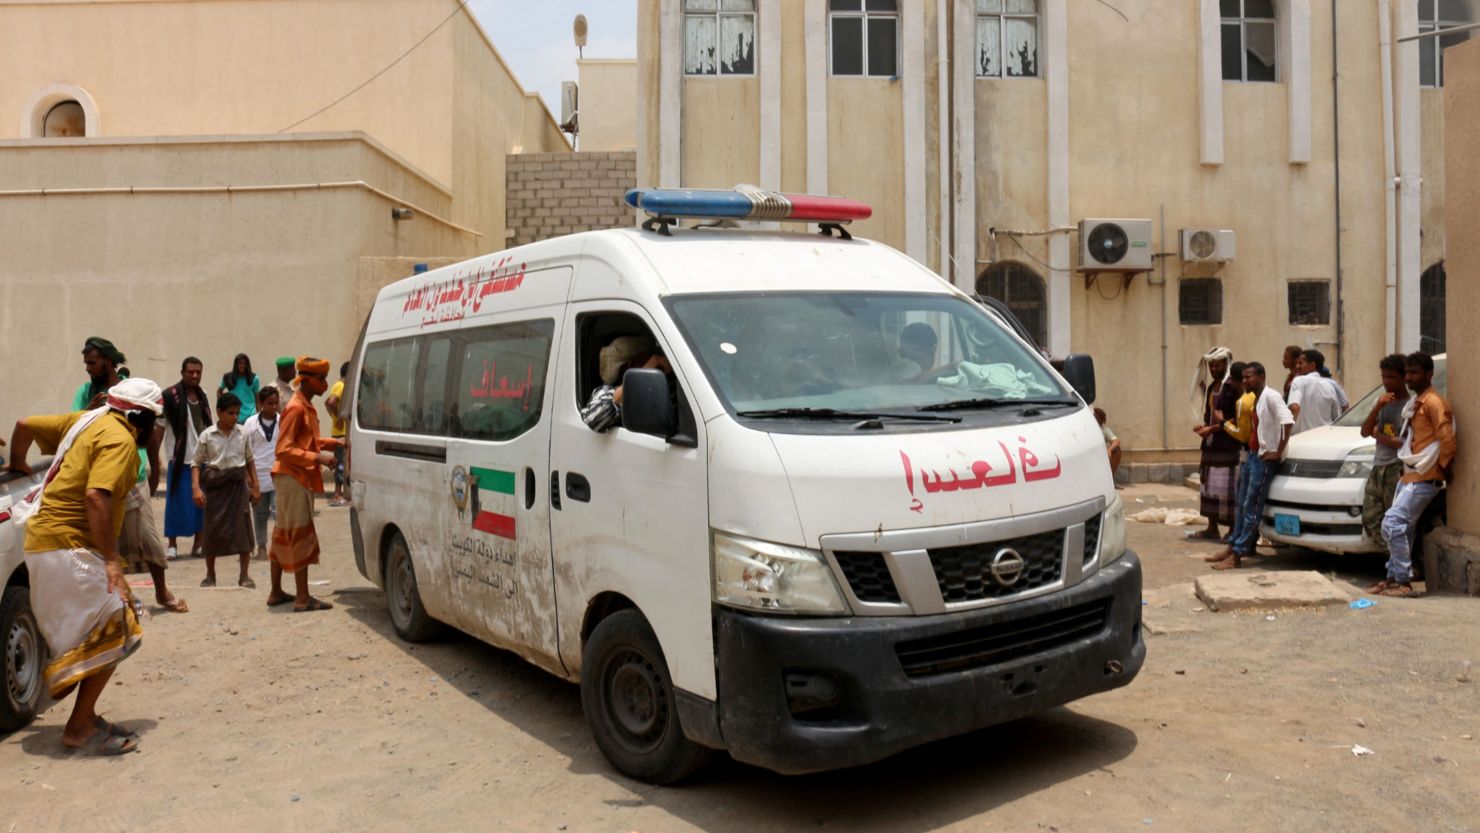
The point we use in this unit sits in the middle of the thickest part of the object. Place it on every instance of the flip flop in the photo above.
(281, 600)
(313, 604)
(1380, 586)
(104, 744)
(1398, 591)
(114, 728)
(247, 583)
(175, 605)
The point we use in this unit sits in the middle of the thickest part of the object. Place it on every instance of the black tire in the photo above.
(25, 657)
(403, 598)
(628, 698)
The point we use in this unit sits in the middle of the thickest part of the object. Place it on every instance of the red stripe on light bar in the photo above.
(827, 209)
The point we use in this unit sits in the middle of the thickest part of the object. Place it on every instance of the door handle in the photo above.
(528, 488)
(577, 487)
(555, 489)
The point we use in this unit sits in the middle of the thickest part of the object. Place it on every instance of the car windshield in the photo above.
(1357, 414)
(859, 351)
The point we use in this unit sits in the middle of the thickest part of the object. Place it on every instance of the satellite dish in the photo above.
(579, 29)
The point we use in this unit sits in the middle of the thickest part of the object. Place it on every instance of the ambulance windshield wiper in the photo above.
(984, 403)
(833, 413)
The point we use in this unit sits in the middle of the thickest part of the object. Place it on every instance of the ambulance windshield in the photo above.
(859, 351)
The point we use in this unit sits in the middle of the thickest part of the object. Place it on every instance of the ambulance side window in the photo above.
(387, 395)
(500, 380)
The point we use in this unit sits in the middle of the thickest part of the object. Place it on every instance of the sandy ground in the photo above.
(259, 719)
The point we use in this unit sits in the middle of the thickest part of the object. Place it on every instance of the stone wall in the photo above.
(550, 194)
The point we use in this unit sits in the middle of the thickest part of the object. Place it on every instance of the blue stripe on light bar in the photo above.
(691, 203)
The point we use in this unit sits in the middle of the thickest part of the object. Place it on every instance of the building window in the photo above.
(1434, 15)
(1431, 300)
(1006, 38)
(865, 37)
(1020, 288)
(719, 37)
(64, 120)
(1310, 303)
(1200, 301)
(1249, 42)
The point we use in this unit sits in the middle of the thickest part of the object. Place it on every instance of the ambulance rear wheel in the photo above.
(628, 698)
(408, 617)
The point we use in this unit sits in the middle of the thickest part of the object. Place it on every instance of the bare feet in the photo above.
(1222, 555)
(1380, 586)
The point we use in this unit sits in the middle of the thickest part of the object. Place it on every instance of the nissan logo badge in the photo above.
(1007, 567)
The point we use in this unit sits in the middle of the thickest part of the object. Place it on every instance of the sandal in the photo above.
(105, 744)
(313, 604)
(208, 581)
(274, 601)
(1231, 563)
(175, 605)
(114, 728)
(1398, 591)
(247, 583)
(1378, 587)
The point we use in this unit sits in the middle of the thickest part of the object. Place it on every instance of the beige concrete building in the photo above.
(608, 104)
(1462, 113)
(984, 132)
(213, 176)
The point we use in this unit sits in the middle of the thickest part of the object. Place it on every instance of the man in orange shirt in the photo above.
(1428, 456)
(296, 478)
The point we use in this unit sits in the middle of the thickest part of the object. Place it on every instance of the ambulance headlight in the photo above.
(1112, 533)
(773, 578)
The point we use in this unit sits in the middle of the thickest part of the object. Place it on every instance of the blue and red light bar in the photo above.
(746, 205)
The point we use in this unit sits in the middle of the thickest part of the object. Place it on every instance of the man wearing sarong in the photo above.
(1218, 397)
(1384, 424)
(82, 600)
(187, 413)
(297, 479)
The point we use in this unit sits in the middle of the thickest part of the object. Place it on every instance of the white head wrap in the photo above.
(136, 395)
(1200, 378)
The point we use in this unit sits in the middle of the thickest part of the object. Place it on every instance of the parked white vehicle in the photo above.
(1315, 498)
(25, 650)
(799, 546)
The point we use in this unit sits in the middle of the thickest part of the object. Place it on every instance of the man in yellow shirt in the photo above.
(82, 600)
(338, 427)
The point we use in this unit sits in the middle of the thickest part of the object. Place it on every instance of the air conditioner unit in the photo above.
(1207, 245)
(1115, 245)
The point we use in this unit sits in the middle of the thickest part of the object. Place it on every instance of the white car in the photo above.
(25, 650)
(1315, 499)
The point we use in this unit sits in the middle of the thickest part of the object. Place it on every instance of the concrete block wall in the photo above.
(550, 194)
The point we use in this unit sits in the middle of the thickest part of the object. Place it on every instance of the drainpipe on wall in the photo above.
(1336, 153)
(1390, 176)
(943, 139)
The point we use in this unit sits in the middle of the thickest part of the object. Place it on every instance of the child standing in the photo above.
(261, 430)
(225, 486)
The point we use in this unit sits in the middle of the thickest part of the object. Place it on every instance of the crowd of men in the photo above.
(223, 482)
(1246, 425)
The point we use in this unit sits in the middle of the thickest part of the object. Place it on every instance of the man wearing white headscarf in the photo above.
(82, 601)
(1215, 397)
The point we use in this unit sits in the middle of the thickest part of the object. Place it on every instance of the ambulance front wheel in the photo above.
(410, 619)
(628, 698)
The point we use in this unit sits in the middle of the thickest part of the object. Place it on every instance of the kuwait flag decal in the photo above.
(493, 490)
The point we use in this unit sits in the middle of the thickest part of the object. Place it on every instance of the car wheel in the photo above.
(410, 619)
(25, 654)
(628, 698)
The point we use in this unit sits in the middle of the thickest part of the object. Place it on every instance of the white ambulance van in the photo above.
(843, 512)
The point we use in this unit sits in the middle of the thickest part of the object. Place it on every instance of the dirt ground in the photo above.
(259, 719)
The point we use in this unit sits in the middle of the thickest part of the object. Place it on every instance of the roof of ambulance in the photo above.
(699, 260)
(695, 260)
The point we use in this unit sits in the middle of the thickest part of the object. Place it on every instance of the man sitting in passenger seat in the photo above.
(917, 349)
(604, 409)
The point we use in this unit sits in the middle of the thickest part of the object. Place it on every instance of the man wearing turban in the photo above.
(296, 477)
(82, 601)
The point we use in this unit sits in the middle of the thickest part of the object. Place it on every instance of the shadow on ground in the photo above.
(946, 781)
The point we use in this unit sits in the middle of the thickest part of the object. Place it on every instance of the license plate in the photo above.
(1287, 524)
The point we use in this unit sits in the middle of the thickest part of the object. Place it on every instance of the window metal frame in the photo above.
(1434, 23)
(1214, 305)
(1243, 20)
(1002, 17)
(863, 14)
(718, 14)
(1290, 310)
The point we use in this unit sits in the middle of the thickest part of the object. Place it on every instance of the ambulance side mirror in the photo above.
(647, 406)
(1079, 372)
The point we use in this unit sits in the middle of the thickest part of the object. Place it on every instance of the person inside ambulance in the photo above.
(604, 409)
(917, 351)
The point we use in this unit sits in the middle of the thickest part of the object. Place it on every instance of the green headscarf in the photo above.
(105, 348)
